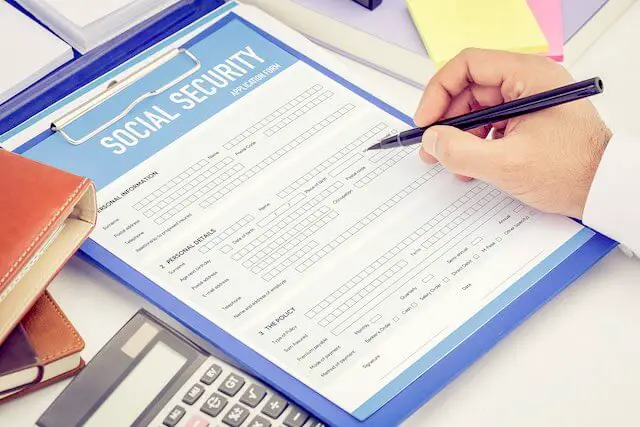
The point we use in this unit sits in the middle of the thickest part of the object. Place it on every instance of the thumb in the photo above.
(462, 152)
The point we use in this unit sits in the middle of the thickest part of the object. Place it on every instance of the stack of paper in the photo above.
(448, 27)
(87, 24)
(29, 51)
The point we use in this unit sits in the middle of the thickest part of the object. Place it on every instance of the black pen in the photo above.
(501, 112)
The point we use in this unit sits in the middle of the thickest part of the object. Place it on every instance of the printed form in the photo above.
(245, 191)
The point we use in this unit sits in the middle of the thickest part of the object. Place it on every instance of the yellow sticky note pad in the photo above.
(449, 26)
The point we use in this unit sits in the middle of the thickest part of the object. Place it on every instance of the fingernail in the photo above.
(417, 114)
(429, 140)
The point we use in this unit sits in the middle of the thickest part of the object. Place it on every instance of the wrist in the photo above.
(597, 143)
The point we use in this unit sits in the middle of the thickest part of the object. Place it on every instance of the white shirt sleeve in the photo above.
(613, 203)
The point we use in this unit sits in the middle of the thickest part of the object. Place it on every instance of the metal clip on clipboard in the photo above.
(117, 86)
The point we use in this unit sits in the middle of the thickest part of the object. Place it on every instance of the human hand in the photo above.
(546, 159)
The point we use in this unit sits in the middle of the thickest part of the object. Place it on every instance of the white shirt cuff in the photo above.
(613, 203)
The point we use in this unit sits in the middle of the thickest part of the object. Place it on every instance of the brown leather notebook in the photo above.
(56, 343)
(45, 214)
(19, 364)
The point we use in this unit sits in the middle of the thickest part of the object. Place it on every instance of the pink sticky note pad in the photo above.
(548, 13)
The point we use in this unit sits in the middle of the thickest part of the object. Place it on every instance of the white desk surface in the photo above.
(576, 362)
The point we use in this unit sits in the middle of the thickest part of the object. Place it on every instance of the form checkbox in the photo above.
(428, 278)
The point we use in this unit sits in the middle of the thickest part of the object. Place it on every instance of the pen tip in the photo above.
(374, 147)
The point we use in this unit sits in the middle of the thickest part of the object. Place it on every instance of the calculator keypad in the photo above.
(219, 395)
(259, 421)
(253, 395)
(211, 374)
(193, 394)
(174, 416)
(236, 416)
(296, 417)
(214, 405)
(232, 385)
(198, 421)
(275, 407)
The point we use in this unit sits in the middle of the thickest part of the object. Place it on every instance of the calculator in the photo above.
(152, 374)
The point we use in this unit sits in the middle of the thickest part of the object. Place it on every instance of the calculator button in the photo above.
(259, 421)
(296, 417)
(314, 423)
(197, 421)
(231, 385)
(193, 394)
(236, 415)
(275, 407)
(174, 416)
(212, 373)
(214, 405)
(253, 395)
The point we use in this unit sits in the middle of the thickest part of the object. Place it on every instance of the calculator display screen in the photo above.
(138, 389)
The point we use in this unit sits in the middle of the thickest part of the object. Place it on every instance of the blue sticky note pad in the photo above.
(410, 388)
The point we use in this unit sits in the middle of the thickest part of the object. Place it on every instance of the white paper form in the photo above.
(351, 270)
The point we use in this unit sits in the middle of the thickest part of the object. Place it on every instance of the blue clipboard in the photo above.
(576, 257)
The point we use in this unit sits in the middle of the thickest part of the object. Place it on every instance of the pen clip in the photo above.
(116, 86)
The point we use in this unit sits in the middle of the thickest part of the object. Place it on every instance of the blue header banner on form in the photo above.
(233, 59)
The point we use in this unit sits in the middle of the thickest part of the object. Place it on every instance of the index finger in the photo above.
(472, 66)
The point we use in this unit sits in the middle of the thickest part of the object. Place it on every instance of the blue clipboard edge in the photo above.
(418, 392)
